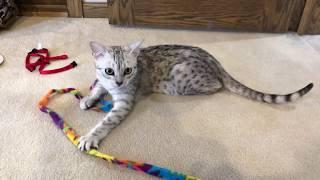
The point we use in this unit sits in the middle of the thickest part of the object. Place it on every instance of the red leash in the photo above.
(44, 59)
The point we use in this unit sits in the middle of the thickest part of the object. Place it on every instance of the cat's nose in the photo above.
(119, 83)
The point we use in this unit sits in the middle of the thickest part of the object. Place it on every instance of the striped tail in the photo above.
(240, 89)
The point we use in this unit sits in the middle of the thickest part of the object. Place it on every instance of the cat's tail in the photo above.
(238, 88)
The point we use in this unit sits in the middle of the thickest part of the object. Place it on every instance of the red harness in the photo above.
(44, 59)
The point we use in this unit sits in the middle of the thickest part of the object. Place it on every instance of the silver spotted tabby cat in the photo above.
(127, 71)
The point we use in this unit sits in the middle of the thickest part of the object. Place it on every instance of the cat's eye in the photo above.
(109, 71)
(128, 71)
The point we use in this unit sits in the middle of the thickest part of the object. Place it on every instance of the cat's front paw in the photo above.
(86, 103)
(88, 142)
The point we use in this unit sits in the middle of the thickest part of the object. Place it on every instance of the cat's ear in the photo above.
(97, 49)
(134, 48)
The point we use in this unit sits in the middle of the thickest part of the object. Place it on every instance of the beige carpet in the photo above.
(222, 136)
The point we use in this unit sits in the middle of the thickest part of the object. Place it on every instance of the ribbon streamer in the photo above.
(71, 134)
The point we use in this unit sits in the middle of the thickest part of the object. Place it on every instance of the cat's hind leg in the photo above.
(204, 88)
(193, 78)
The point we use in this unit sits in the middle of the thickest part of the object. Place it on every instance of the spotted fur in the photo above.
(169, 69)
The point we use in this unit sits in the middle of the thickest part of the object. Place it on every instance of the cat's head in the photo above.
(116, 66)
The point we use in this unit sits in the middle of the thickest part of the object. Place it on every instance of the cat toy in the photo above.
(105, 106)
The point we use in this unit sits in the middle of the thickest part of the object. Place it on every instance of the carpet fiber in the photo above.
(222, 136)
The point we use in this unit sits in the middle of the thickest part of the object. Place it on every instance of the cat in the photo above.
(125, 71)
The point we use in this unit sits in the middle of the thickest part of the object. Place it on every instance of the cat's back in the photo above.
(172, 54)
(168, 50)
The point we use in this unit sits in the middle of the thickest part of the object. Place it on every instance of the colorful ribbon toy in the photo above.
(44, 59)
(70, 133)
